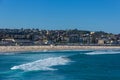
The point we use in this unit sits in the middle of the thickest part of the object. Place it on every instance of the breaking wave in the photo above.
(103, 52)
(44, 64)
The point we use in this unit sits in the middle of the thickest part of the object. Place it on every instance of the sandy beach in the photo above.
(45, 48)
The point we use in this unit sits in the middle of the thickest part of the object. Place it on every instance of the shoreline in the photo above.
(49, 48)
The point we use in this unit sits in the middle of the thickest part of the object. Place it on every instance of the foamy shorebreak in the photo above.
(45, 48)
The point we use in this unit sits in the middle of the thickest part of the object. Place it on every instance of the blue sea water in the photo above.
(60, 65)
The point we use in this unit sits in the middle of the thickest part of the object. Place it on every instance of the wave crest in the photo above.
(44, 64)
(103, 52)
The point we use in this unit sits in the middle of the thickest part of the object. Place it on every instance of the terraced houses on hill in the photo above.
(27, 37)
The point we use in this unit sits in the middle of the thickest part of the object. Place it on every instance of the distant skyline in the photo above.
(93, 15)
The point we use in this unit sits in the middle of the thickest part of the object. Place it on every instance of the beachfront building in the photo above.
(101, 42)
(74, 38)
(7, 41)
(23, 42)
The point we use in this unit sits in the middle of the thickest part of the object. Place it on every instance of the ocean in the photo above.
(61, 65)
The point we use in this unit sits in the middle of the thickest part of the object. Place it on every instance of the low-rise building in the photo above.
(101, 42)
(22, 42)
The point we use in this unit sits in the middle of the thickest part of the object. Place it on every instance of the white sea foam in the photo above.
(103, 52)
(58, 50)
(44, 64)
(7, 53)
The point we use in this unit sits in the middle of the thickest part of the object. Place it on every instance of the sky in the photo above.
(93, 15)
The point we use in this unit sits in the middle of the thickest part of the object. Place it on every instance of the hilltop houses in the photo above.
(26, 37)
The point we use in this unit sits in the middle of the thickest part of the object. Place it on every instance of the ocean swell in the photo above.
(102, 52)
(44, 64)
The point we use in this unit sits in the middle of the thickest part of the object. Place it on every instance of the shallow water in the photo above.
(61, 65)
